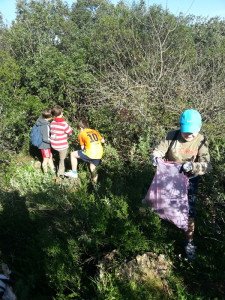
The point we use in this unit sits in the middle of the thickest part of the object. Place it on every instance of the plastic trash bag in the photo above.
(168, 194)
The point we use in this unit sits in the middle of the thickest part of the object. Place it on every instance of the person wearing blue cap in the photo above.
(188, 147)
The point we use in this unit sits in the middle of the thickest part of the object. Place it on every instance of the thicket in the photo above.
(131, 71)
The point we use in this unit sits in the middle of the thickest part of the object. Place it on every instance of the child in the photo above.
(45, 146)
(91, 150)
(59, 132)
(189, 147)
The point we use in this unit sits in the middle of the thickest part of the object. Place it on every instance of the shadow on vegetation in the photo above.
(207, 270)
(53, 240)
(21, 247)
(34, 246)
(36, 154)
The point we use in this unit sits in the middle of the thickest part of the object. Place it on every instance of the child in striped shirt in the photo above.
(59, 133)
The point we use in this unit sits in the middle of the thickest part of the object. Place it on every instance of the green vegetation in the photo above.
(131, 81)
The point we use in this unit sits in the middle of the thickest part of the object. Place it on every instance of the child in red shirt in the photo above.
(59, 135)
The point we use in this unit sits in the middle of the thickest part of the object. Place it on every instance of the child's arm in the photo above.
(203, 164)
(81, 141)
(162, 148)
(68, 129)
(46, 134)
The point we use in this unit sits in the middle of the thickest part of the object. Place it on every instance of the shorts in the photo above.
(192, 195)
(85, 158)
(46, 153)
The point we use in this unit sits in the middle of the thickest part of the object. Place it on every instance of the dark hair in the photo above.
(47, 113)
(82, 124)
(57, 110)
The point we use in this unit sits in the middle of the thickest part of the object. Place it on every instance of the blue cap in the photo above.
(190, 121)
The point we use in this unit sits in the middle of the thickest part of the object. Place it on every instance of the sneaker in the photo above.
(71, 174)
(190, 250)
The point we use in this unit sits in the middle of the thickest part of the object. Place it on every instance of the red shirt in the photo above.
(59, 130)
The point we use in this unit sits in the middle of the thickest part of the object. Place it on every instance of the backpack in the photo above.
(35, 136)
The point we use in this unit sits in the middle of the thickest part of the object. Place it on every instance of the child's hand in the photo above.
(154, 160)
(186, 167)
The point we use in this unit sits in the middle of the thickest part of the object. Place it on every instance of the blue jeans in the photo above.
(192, 195)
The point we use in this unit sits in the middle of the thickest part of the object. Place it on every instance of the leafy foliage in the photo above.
(131, 81)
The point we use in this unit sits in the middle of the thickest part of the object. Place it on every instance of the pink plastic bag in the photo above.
(168, 194)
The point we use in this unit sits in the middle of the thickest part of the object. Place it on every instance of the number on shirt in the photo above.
(93, 137)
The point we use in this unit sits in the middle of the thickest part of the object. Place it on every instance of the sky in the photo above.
(204, 8)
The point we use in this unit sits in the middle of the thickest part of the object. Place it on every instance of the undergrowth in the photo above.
(54, 236)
